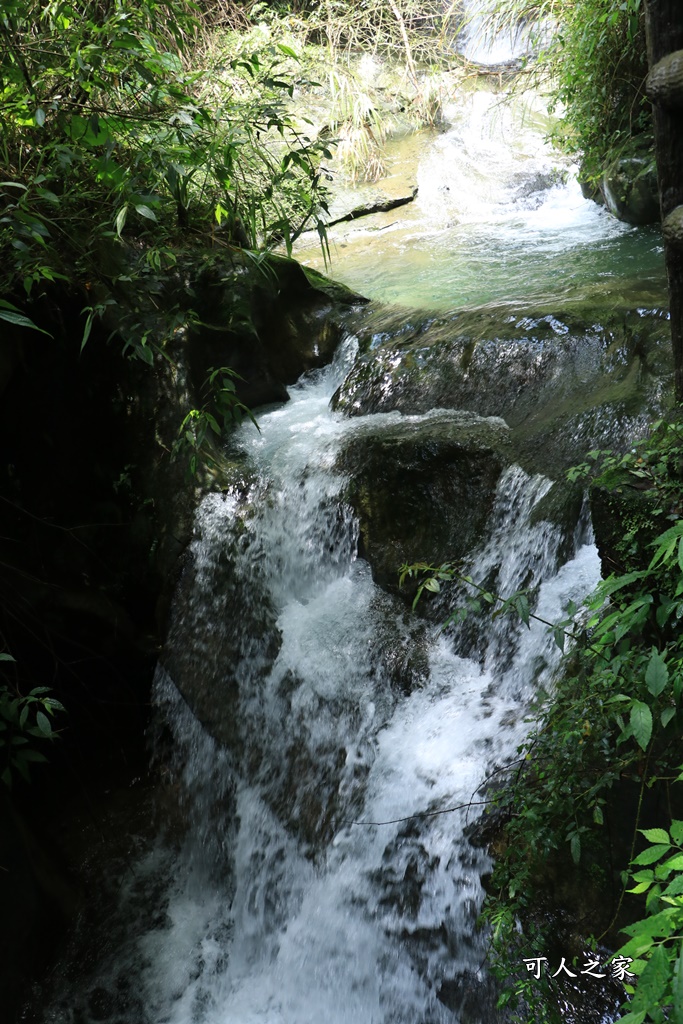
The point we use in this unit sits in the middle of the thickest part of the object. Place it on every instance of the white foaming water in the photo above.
(285, 904)
(493, 172)
(479, 45)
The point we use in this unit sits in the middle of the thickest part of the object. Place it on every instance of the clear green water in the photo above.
(499, 217)
(449, 271)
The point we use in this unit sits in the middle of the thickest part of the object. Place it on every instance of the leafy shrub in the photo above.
(23, 720)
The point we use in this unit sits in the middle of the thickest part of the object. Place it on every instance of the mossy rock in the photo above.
(626, 521)
(629, 187)
(270, 322)
(423, 490)
(562, 506)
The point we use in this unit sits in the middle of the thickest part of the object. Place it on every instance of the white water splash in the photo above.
(280, 905)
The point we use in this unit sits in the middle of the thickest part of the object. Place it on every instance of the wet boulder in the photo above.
(563, 382)
(629, 188)
(423, 489)
(269, 322)
(223, 633)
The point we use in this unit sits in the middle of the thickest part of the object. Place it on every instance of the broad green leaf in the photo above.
(675, 887)
(433, 585)
(652, 854)
(43, 723)
(6, 657)
(657, 925)
(640, 887)
(656, 674)
(40, 117)
(146, 211)
(677, 989)
(34, 755)
(632, 1018)
(666, 716)
(641, 723)
(653, 981)
(655, 835)
(677, 831)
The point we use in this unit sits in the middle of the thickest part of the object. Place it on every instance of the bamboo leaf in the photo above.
(120, 221)
(146, 211)
(19, 320)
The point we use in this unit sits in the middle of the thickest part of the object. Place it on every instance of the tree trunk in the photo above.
(664, 21)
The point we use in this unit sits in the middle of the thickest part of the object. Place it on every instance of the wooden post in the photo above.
(664, 25)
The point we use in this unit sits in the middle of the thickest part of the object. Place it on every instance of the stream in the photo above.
(317, 866)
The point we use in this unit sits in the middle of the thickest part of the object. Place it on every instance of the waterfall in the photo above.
(481, 46)
(324, 872)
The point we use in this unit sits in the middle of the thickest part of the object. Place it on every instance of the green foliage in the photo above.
(654, 463)
(199, 424)
(432, 576)
(655, 942)
(111, 145)
(614, 718)
(23, 720)
(601, 66)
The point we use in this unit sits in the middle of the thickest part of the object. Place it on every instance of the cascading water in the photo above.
(337, 746)
(323, 874)
(479, 44)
